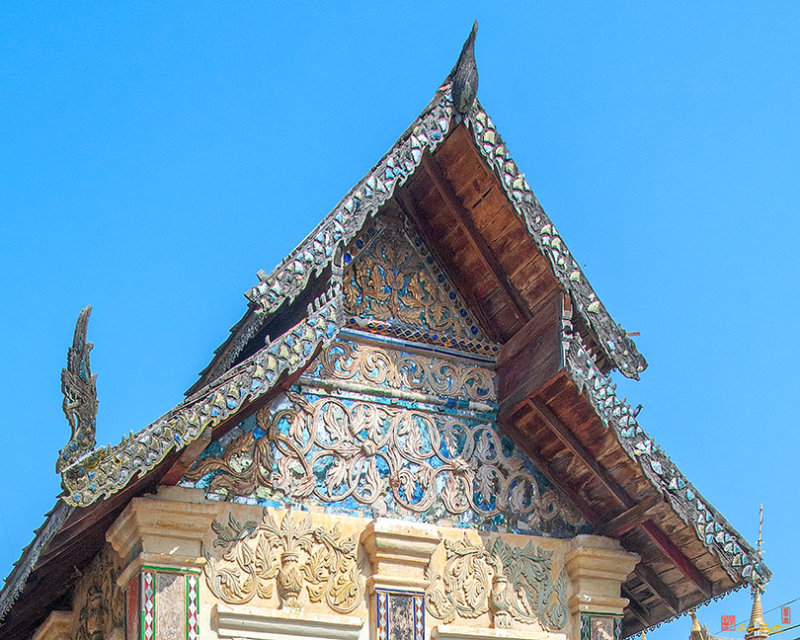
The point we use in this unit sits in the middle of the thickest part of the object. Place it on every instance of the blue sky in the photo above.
(153, 157)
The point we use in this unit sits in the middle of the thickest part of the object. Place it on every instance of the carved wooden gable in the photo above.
(394, 417)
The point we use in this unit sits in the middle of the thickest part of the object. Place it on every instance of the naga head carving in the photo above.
(78, 384)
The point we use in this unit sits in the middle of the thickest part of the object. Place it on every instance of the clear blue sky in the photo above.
(154, 156)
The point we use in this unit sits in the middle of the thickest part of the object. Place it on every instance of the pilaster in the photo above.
(399, 552)
(597, 567)
(159, 540)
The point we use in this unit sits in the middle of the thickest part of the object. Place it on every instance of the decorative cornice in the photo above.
(232, 622)
(736, 556)
(399, 552)
(611, 337)
(106, 471)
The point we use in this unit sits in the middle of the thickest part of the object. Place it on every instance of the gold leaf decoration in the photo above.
(393, 281)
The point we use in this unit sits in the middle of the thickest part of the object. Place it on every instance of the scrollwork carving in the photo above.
(510, 583)
(262, 558)
(391, 281)
(384, 367)
(335, 449)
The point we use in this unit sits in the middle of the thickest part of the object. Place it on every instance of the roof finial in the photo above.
(464, 76)
(760, 527)
(756, 628)
(79, 387)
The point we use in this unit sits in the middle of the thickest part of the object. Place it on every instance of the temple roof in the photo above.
(452, 175)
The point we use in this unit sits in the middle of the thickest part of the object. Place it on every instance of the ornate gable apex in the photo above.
(316, 253)
(394, 286)
(452, 174)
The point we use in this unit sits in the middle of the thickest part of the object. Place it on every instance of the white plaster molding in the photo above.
(400, 551)
(261, 624)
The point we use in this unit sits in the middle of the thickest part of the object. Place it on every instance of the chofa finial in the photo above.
(464, 76)
(79, 387)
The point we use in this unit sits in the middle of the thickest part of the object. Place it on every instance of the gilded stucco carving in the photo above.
(242, 468)
(510, 583)
(393, 280)
(395, 369)
(98, 601)
(290, 558)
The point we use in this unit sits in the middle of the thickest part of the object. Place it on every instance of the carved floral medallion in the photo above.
(508, 582)
(293, 559)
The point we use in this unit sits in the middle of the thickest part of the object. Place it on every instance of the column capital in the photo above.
(399, 551)
(57, 626)
(597, 567)
(164, 530)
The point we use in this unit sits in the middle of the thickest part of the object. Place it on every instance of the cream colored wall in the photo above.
(338, 564)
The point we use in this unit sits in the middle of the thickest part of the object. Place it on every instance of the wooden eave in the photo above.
(464, 216)
(403, 164)
(480, 220)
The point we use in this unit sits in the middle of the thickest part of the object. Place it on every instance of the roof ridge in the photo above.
(292, 274)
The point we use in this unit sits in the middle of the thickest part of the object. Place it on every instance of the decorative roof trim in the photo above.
(338, 228)
(737, 557)
(685, 613)
(106, 471)
(16, 580)
(611, 337)
(364, 200)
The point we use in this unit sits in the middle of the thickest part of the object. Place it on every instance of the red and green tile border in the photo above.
(147, 610)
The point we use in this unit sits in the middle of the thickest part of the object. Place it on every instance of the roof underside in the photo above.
(480, 219)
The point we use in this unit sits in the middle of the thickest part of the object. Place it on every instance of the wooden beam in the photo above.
(677, 556)
(630, 518)
(464, 220)
(444, 258)
(657, 586)
(569, 440)
(658, 537)
(186, 458)
(635, 607)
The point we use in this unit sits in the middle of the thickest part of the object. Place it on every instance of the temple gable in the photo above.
(396, 416)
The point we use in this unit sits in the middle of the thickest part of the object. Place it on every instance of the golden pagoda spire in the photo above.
(756, 628)
(697, 630)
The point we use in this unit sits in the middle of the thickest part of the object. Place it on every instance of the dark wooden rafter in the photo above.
(630, 518)
(657, 586)
(476, 239)
(655, 534)
(677, 556)
(408, 206)
(643, 572)
(636, 608)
